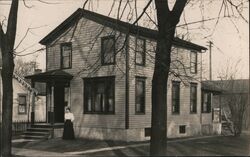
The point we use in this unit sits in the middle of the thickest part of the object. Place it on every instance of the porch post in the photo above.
(52, 109)
(32, 116)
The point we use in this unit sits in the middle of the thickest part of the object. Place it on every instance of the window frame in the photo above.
(143, 53)
(102, 50)
(143, 80)
(62, 57)
(182, 129)
(208, 106)
(192, 111)
(176, 83)
(92, 82)
(25, 105)
(195, 62)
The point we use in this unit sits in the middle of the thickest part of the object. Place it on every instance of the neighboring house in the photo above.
(234, 91)
(22, 100)
(102, 68)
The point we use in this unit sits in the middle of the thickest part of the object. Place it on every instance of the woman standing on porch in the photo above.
(68, 131)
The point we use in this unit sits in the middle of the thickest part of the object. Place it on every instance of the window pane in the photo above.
(193, 62)
(140, 51)
(66, 55)
(193, 98)
(22, 99)
(175, 97)
(100, 90)
(66, 62)
(140, 95)
(108, 50)
(22, 108)
(98, 101)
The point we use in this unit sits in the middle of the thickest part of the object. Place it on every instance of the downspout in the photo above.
(127, 84)
(201, 95)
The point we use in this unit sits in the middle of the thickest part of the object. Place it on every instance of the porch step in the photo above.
(58, 125)
(40, 131)
(35, 137)
(33, 133)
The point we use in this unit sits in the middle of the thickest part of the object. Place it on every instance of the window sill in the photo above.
(140, 113)
(99, 113)
(193, 112)
(175, 114)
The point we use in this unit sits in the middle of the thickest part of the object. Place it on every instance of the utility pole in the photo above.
(210, 59)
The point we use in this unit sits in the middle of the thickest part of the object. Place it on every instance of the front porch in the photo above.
(57, 96)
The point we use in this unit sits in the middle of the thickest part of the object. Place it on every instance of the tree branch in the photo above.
(144, 10)
(12, 22)
(178, 9)
(1, 35)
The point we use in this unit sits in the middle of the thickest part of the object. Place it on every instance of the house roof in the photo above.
(48, 76)
(238, 86)
(115, 24)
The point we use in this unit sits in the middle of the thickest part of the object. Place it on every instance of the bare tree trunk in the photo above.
(7, 72)
(167, 21)
(7, 42)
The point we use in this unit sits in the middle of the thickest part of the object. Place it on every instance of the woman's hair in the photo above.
(68, 108)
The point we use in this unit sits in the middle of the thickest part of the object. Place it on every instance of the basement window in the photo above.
(182, 129)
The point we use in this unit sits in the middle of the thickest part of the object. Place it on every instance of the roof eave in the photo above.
(148, 33)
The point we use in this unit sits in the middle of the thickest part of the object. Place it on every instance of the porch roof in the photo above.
(211, 87)
(50, 76)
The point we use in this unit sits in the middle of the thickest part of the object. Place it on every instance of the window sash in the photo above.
(140, 95)
(99, 95)
(140, 50)
(193, 98)
(176, 97)
(206, 102)
(193, 62)
(108, 50)
(66, 53)
(22, 104)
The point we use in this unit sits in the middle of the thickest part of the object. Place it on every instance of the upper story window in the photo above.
(22, 103)
(99, 95)
(193, 98)
(66, 55)
(140, 95)
(193, 62)
(108, 50)
(176, 97)
(140, 50)
(206, 102)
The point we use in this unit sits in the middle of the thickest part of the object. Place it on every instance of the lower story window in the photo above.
(22, 103)
(182, 129)
(206, 102)
(140, 95)
(99, 95)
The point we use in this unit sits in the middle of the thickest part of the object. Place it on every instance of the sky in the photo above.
(230, 35)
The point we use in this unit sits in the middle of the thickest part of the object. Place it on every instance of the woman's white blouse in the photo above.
(69, 116)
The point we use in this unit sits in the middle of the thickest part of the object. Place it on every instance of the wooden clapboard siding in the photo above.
(86, 47)
(86, 50)
(184, 118)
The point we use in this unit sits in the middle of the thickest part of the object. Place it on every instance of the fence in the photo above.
(19, 127)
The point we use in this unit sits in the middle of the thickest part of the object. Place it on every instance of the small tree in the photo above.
(236, 101)
(23, 68)
(235, 97)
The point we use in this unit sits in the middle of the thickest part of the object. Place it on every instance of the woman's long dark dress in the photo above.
(68, 131)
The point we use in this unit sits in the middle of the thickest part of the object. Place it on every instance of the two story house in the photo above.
(102, 68)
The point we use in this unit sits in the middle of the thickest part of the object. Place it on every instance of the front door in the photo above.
(59, 103)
